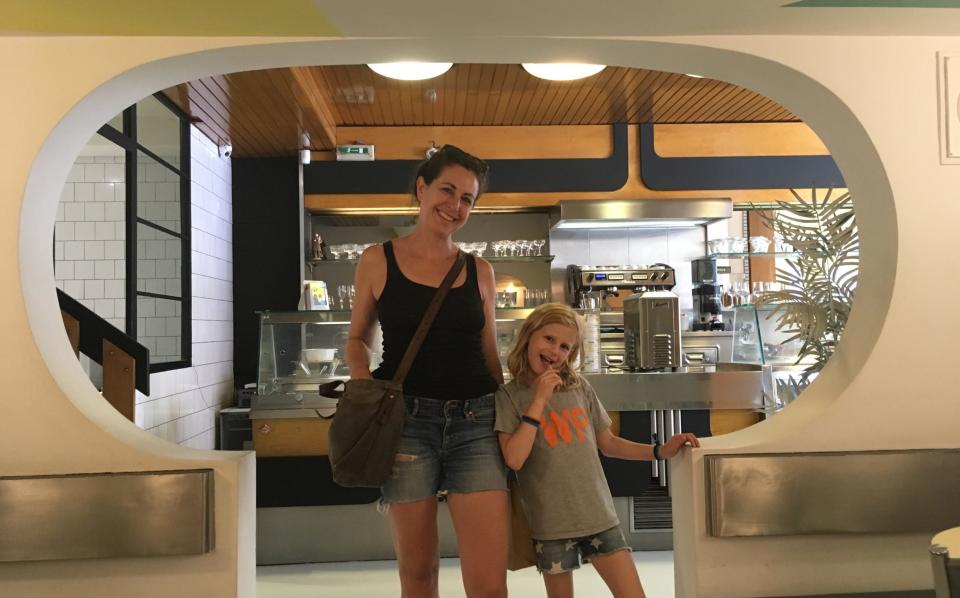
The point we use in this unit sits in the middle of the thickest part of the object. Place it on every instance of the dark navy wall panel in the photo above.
(506, 176)
(734, 172)
(267, 248)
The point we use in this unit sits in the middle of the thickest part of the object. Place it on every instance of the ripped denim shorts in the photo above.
(447, 447)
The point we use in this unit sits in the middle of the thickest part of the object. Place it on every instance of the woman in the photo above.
(449, 447)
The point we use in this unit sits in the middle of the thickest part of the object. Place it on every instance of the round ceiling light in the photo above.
(411, 71)
(562, 71)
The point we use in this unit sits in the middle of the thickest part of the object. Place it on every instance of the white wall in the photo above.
(871, 99)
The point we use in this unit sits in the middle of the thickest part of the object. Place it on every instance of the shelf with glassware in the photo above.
(510, 297)
(518, 259)
(748, 254)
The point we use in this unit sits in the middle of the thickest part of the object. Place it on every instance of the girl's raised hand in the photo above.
(546, 383)
(673, 445)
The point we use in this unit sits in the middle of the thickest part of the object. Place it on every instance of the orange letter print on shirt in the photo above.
(559, 425)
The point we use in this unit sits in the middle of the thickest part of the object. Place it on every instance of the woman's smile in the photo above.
(444, 216)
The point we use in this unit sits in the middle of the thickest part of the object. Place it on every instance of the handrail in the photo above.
(94, 329)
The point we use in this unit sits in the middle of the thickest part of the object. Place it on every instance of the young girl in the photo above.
(550, 425)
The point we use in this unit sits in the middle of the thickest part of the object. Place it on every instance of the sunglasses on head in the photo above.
(472, 161)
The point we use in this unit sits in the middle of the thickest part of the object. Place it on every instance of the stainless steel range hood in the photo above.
(640, 213)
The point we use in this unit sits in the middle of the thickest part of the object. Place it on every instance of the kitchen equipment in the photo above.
(651, 321)
(603, 284)
(707, 291)
(654, 331)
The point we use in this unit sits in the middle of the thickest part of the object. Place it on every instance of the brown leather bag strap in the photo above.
(428, 316)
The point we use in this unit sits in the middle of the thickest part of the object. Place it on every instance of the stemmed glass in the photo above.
(741, 292)
(757, 290)
(345, 296)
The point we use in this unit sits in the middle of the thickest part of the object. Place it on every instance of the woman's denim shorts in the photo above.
(447, 447)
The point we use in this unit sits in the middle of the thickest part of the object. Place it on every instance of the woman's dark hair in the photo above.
(450, 155)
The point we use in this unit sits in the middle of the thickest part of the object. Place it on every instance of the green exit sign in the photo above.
(355, 152)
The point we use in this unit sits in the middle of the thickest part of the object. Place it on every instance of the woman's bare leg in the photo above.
(559, 585)
(619, 573)
(413, 526)
(481, 522)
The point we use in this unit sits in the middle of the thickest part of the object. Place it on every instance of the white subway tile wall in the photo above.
(86, 247)
(89, 266)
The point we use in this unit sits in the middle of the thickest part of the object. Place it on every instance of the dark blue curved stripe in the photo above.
(506, 176)
(736, 172)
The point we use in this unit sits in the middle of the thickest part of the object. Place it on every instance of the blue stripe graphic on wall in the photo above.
(733, 172)
(537, 175)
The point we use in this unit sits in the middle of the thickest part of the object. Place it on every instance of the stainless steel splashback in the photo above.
(832, 493)
(608, 247)
(104, 515)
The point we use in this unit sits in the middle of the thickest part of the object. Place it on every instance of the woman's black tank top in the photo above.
(450, 363)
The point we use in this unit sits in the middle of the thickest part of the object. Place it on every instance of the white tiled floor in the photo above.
(378, 579)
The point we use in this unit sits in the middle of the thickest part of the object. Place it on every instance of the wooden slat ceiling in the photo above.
(264, 113)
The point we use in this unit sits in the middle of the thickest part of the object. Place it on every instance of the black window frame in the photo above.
(127, 139)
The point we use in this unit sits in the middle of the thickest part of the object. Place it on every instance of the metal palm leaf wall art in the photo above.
(817, 287)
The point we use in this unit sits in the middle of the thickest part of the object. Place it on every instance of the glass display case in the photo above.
(302, 349)
(299, 350)
(757, 340)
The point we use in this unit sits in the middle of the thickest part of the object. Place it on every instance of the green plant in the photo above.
(818, 285)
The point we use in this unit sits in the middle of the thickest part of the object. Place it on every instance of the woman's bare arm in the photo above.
(369, 280)
(488, 342)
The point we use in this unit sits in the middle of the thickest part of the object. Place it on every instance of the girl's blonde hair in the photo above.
(544, 315)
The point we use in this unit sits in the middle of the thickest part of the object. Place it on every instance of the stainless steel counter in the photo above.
(724, 386)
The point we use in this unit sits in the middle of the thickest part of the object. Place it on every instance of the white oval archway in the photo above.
(837, 126)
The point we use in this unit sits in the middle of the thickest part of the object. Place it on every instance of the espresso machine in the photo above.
(707, 293)
(646, 334)
(590, 286)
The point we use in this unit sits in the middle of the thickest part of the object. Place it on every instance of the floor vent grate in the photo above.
(651, 510)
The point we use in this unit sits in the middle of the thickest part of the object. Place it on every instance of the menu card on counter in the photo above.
(315, 295)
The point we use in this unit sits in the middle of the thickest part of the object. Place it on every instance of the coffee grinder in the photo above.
(706, 295)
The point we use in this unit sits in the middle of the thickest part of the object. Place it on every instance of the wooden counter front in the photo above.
(290, 432)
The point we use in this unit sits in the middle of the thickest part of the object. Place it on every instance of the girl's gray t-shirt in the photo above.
(565, 494)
